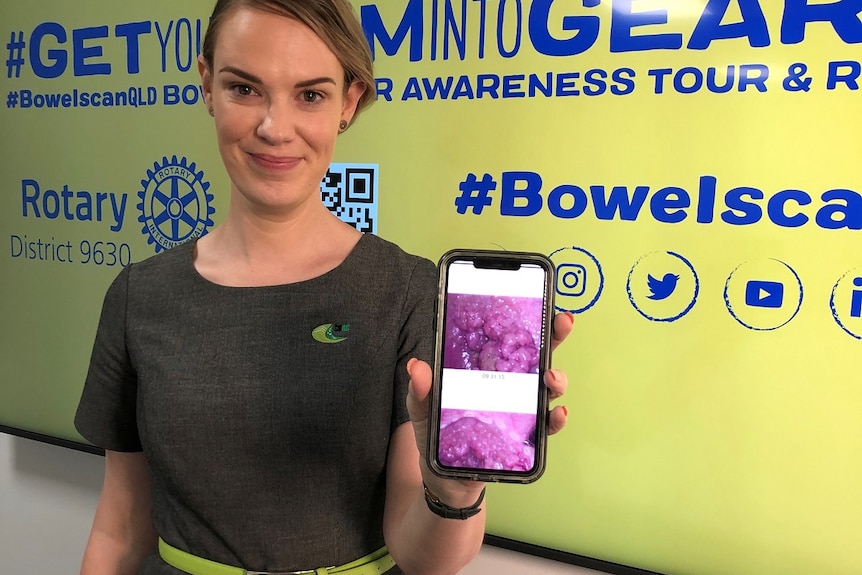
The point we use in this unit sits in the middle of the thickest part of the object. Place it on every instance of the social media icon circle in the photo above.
(845, 302)
(763, 294)
(580, 280)
(663, 286)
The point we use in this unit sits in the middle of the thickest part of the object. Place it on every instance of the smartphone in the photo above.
(489, 403)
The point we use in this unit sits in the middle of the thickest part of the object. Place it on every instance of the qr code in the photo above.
(350, 192)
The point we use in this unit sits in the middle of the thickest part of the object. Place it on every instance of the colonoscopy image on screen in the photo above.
(491, 360)
(493, 333)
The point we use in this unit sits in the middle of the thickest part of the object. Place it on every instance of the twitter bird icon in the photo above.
(661, 288)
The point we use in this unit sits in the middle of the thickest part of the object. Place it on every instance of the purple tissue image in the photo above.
(493, 333)
(487, 440)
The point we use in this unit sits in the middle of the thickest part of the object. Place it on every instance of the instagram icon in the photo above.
(580, 280)
(571, 280)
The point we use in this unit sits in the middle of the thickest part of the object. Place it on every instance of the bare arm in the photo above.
(421, 542)
(122, 534)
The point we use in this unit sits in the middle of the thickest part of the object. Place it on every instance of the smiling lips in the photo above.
(278, 163)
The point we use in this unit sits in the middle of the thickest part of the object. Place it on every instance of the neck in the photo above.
(255, 235)
(269, 249)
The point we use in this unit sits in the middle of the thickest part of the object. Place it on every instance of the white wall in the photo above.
(48, 496)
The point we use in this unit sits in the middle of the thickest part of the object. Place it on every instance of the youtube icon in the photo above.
(761, 293)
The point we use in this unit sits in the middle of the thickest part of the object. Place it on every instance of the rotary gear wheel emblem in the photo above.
(174, 204)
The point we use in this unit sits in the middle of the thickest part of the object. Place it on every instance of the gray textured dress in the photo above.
(267, 447)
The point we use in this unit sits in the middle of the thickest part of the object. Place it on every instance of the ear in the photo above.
(351, 100)
(206, 81)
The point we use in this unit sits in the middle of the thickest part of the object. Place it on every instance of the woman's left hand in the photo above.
(420, 388)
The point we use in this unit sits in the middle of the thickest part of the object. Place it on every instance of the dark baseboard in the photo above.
(77, 446)
(565, 557)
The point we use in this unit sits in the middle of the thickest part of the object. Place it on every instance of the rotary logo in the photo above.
(174, 203)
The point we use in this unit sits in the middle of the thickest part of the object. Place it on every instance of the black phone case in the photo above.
(491, 258)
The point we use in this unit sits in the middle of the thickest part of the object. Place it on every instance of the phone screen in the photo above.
(491, 386)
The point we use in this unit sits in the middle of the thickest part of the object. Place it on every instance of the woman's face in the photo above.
(277, 94)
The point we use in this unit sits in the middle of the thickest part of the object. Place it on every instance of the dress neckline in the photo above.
(352, 255)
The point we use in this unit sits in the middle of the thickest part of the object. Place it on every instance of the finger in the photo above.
(557, 382)
(419, 389)
(557, 420)
(561, 328)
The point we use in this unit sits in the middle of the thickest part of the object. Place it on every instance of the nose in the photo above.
(277, 124)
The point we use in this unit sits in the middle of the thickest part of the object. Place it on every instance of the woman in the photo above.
(232, 436)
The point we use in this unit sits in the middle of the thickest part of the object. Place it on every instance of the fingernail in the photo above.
(571, 315)
(410, 363)
(565, 410)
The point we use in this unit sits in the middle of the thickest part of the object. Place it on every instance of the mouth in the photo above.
(271, 162)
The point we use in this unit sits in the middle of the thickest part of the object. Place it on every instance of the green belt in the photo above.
(373, 564)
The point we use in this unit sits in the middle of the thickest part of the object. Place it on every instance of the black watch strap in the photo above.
(439, 508)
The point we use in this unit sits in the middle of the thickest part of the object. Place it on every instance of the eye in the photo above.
(242, 89)
(310, 96)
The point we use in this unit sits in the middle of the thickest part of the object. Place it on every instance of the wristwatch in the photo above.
(439, 508)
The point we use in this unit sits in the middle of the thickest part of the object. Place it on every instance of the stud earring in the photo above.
(342, 125)
(211, 111)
